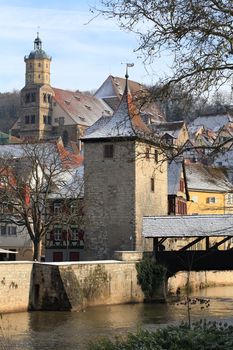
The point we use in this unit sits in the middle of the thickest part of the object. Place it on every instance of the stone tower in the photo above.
(125, 179)
(36, 96)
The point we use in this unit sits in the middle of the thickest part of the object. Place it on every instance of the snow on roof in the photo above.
(225, 158)
(15, 151)
(188, 226)
(212, 122)
(100, 123)
(82, 108)
(171, 128)
(70, 184)
(113, 88)
(174, 173)
(4, 251)
(125, 122)
(207, 179)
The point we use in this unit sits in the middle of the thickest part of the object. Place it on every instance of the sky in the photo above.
(84, 51)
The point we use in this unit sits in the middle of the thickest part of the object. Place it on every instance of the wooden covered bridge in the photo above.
(176, 239)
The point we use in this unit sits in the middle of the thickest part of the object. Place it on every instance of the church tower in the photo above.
(36, 96)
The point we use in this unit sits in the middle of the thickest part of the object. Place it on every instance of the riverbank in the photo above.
(76, 286)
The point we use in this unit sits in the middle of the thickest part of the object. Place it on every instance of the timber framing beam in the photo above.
(187, 246)
(216, 245)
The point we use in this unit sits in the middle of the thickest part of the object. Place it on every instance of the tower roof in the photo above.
(38, 53)
(125, 122)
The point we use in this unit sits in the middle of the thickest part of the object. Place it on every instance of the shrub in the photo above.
(202, 335)
(150, 276)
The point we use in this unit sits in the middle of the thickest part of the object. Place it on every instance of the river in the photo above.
(73, 330)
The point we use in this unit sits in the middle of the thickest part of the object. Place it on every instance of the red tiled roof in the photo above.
(69, 159)
(83, 109)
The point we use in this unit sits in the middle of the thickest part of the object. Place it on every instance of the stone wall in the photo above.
(15, 286)
(200, 280)
(76, 286)
(109, 186)
(118, 194)
(149, 201)
(69, 286)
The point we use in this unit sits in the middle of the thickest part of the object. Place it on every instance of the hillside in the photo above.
(9, 109)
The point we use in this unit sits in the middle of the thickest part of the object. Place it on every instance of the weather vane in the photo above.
(127, 65)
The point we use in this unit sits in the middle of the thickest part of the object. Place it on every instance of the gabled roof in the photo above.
(207, 179)
(125, 122)
(171, 128)
(213, 122)
(83, 109)
(112, 89)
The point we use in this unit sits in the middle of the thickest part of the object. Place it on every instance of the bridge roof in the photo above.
(188, 226)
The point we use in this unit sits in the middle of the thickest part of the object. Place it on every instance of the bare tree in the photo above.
(31, 181)
(196, 33)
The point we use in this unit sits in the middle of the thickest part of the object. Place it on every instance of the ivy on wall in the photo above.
(150, 276)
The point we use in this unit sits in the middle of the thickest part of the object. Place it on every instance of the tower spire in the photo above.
(37, 42)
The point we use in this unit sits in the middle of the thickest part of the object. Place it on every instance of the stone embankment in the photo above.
(74, 286)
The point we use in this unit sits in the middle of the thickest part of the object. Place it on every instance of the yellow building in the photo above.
(209, 190)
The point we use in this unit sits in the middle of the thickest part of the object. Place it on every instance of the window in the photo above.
(181, 185)
(156, 156)
(229, 198)
(74, 234)
(3, 230)
(57, 256)
(147, 153)
(57, 234)
(33, 97)
(61, 120)
(44, 97)
(3, 181)
(211, 200)
(49, 98)
(30, 119)
(182, 208)
(38, 76)
(152, 184)
(33, 119)
(49, 120)
(108, 151)
(39, 64)
(74, 256)
(27, 98)
(57, 208)
(11, 230)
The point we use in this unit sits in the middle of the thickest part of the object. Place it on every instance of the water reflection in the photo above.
(66, 330)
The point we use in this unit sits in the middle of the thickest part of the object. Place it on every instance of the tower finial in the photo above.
(37, 41)
(127, 66)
